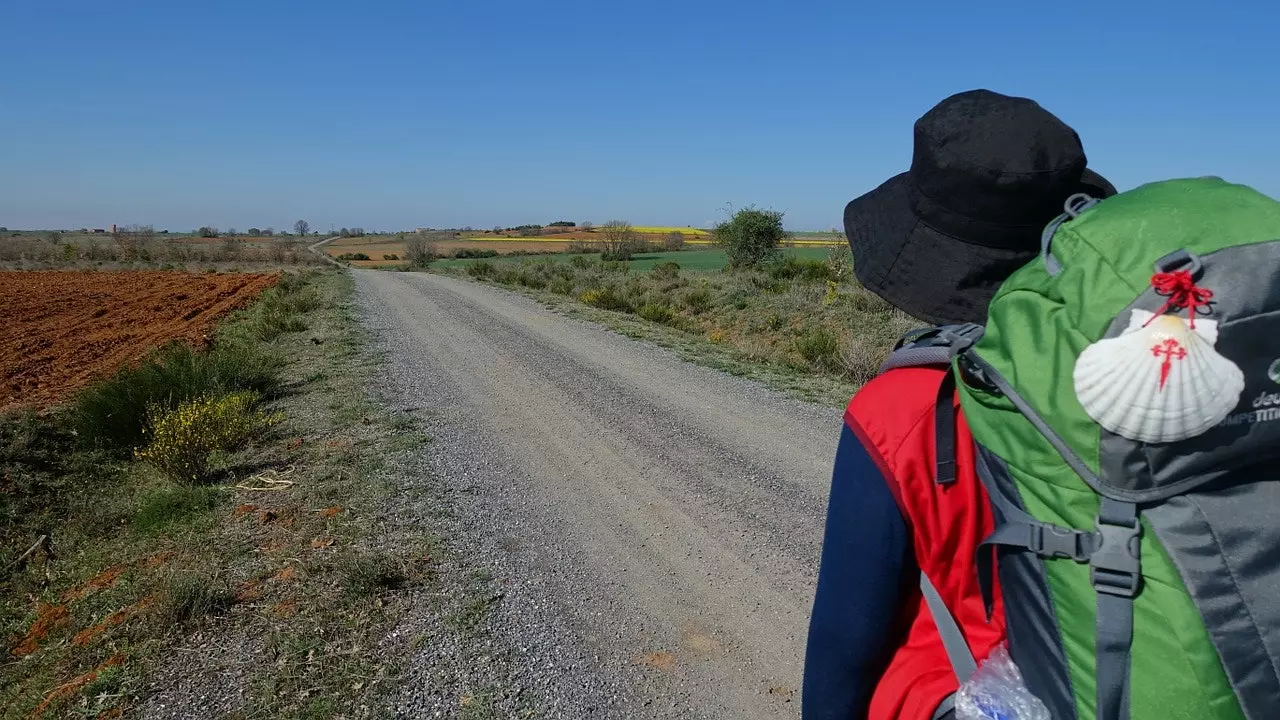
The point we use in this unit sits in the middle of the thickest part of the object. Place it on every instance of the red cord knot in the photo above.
(1183, 293)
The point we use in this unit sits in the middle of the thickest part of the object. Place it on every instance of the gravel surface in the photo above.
(654, 526)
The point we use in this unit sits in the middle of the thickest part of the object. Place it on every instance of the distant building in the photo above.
(100, 231)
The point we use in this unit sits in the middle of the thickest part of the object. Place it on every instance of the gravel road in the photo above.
(655, 525)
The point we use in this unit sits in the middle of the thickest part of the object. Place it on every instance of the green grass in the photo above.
(800, 322)
(694, 260)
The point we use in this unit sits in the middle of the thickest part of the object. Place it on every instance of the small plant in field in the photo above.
(561, 286)
(370, 574)
(819, 347)
(604, 298)
(480, 269)
(666, 271)
(657, 312)
(718, 336)
(697, 301)
(832, 295)
(189, 597)
(181, 440)
(391, 256)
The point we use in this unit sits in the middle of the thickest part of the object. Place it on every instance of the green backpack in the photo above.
(1137, 542)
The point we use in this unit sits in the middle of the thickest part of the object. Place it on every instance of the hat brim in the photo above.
(923, 272)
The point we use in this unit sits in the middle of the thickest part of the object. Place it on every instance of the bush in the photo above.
(419, 251)
(580, 262)
(561, 286)
(697, 301)
(480, 269)
(819, 347)
(605, 298)
(113, 413)
(531, 279)
(392, 256)
(809, 270)
(371, 574)
(353, 256)
(181, 439)
(673, 241)
(751, 237)
(466, 253)
(666, 271)
(657, 312)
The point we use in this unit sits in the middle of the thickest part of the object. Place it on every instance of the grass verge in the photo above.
(275, 561)
(800, 324)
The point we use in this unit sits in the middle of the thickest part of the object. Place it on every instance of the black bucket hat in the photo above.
(988, 172)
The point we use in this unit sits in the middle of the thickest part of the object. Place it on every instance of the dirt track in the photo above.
(63, 329)
(656, 524)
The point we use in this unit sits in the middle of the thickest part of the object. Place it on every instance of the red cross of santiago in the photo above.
(1171, 350)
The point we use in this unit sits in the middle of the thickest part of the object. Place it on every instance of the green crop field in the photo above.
(687, 259)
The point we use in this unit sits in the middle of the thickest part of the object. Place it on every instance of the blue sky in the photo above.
(388, 115)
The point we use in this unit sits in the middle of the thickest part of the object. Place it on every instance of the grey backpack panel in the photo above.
(1247, 310)
(1225, 543)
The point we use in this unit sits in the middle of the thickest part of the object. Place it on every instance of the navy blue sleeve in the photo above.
(865, 562)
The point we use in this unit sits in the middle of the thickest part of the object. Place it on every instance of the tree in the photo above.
(207, 232)
(133, 242)
(751, 236)
(301, 227)
(587, 226)
(419, 251)
(269, 232)
(618, 240)
(255, 232)
(673, 241)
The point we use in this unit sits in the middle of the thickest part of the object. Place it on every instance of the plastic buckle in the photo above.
(1059, 542)
(1115, 565)
(962, 337)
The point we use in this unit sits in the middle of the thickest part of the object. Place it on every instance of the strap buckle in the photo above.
(1115, 565)
(960, 338)
(1059, 542)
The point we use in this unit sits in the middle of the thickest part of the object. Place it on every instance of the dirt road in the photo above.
(655, 525)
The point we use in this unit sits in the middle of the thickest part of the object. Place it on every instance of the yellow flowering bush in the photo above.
(180, 440)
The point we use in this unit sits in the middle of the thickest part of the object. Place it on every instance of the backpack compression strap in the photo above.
(1113, 552)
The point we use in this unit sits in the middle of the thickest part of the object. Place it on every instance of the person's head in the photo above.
(987, 174)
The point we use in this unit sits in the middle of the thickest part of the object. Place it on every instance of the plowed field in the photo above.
(60, 331)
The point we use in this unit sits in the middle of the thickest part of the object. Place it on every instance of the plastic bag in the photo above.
(996, 692)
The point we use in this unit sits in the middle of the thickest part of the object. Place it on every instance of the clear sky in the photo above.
(391, 114)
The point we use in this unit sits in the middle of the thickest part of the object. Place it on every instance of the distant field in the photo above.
(686, 259)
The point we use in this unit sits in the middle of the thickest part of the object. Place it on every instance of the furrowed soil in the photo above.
(62, 330)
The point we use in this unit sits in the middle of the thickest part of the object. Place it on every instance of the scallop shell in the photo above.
(1160, 382)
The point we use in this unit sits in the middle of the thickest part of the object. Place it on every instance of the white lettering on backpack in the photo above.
(1266, 408)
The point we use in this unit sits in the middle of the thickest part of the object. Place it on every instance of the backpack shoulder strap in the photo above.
(937, 347)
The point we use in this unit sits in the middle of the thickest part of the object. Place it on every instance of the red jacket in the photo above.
(893, 417)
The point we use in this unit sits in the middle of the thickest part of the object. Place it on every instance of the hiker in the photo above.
(988, 173)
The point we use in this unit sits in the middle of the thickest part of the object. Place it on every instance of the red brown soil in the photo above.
(62, 330)
(84, 637)
(48, 618)
(101, 581)
(75, 684)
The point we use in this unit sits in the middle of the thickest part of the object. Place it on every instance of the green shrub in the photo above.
(657, 312)
(367, 573)
(605, 298)
(181, 439)
(819, 347)
(466, 253)
(751, 236)
(811, 270)
(697, 301)
(581, 262)
(561, 286)
(666, 271)
(480, 269)
(532, 279)
(113, 413)
(353, 256)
